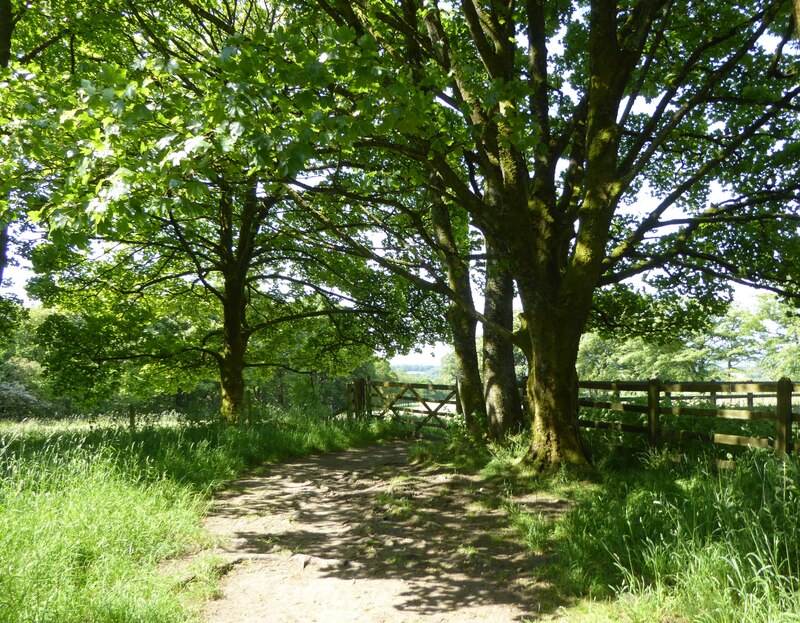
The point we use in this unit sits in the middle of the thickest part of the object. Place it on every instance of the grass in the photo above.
(650, 539)
(88, 513)
(689, 542)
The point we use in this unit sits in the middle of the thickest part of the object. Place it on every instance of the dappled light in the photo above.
(221, 221)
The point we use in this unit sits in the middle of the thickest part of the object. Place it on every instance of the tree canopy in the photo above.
(621, 161)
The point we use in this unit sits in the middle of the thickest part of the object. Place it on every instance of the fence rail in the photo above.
(430, 404)
(658, 392)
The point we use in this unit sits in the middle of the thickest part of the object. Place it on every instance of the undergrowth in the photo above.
(87, 513)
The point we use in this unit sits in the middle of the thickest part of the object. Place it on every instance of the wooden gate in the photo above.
(420, 404)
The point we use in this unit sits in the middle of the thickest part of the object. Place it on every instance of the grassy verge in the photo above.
(654, 540)
(684, 541)
(87, 513)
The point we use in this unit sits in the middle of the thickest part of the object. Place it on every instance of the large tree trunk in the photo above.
(501, 392)
(553, 336)
(553, 396)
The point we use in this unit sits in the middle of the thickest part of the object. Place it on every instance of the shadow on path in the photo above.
(368, 515)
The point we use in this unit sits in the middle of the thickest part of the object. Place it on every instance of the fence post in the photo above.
(783, 421)
(653, 408)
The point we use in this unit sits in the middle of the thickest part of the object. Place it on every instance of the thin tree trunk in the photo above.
(6, 32)
(231, 370)
(4, 239)
(501, 392)
(462, 322)
(231, 362)
(238, 245)
(468, 378)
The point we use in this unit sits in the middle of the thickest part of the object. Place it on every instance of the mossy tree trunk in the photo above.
(501, 392)
(232, 355)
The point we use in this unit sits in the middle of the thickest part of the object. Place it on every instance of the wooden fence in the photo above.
(424, 404)
(721, 400)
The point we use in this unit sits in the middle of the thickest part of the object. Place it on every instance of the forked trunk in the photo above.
(501, 392)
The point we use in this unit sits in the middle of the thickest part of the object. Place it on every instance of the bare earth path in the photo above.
(362, 536)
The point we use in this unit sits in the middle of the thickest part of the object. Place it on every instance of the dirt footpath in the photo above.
(362, 536)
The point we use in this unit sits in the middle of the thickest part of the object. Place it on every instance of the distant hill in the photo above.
(420, 370)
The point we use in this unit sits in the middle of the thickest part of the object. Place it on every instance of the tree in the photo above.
(501, 389)
(774, 338)
(547, 126)
(548, 123)
(177, 203)
(760, 343)
(636, 358)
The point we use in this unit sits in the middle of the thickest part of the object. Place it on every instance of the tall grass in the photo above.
(86, 514)
(79, 539)
(689, 541)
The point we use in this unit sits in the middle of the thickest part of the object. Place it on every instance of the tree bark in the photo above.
(468, 378)
(501, 392)
(232, 356)
(4, 240)
(237, 232)
(552, 388)
(462, 322)
(6, 32)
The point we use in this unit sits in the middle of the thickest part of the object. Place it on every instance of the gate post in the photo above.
(358, 387)
(368, 396)
(349, 400)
